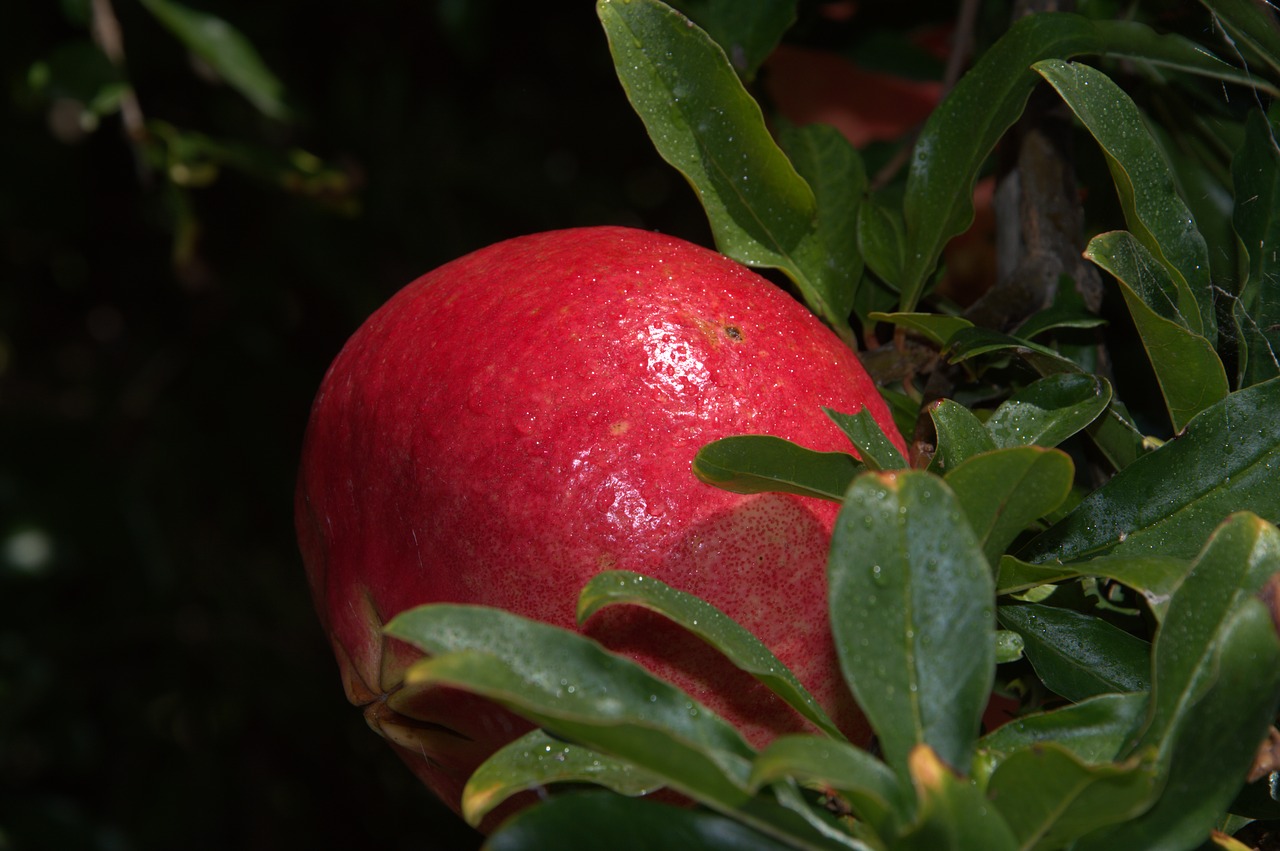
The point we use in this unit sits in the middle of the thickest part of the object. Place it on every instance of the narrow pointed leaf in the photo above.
(865, 782)
(1190, 373)
(758, 463)
(226, 51)
(874, 447)
(1170, 500)
(911, 613)
(1049, 796)
(1078, 655)
(1255, 172)
(1095, 730)
(744, 650)
(536, 760)
(706, 125)
(1005, 490)
(589, 821)
(952, 813)
(1154, 211)
(960, 435)
(1048, 411)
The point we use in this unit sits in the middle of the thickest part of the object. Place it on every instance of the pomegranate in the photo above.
(524, 417)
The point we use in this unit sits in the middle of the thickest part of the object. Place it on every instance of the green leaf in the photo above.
(1049, 796)
(969, 343)
(868, 785)
(1255, 172)
(744, 650)
(1050, 410)
(960, 435)
(1060, 315)
(705, 124)
(536, 760)
(1252, 24)
(911, 615)
(874, 447)
(1154, 211)
(1009, 646)
(1095, 730)
(937, 327)
(1004, 490)
(952, 814)
(882, 239)
(1190, 374)
(1170, 500)
(1155, 577)
(759, 463)
(227, 52)
(1078, 655)
(575, 689)
(589, 821)
(748, 33)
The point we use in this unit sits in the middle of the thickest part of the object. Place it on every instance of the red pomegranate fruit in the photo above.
(525, 417)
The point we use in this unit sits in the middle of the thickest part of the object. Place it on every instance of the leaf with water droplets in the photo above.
(739, 646)
(874, 447)
(1050, 410)
(911, 614)
(960, 435)
(536, 760)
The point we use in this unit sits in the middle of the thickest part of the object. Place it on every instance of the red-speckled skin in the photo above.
(521, 418)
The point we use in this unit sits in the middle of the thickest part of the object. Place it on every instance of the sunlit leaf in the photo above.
(1079, 655)
(1170, 500)
(1004, 490)
(911, 614)
(744, 650)
(536, 760)
(224, 49)
(758, 463)
(1190, 373)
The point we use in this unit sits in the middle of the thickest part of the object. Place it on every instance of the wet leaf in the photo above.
(960, 435)
(536, 760)
(1170, 500)
(874, 447)
(748, 33)
(1190, 374)
(1005, 490)
(1050, 410)
(744, 650)
(1095, 730)
(224, 49)
(911, 615)
(1155, 577)
(758, 463)
(1079, 655)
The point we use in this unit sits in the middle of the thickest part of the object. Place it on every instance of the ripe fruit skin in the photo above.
(524, 417)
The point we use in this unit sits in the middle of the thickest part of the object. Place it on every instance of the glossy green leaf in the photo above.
(1155, 577)
(759, 463)
(1154, 211)
(962, 131)
(960, 435)
(936, 327)
(1058, 316)
(739, 646)
(1095, 730)
(1049, 796)
(748, 33)
(868, 785)
(882, 239)
(1079, 655)
(226, 51)
(575, 689)
(968, 343)
(536, 760)
(1009, 646)
(1050, 410)
(952, 813)
(705, 124)
(1214, 740)
(911, 614)
(1005, 490)
(589, 821)
(1190, 374)
(833, 169)
(1170, 500)
(1115, 434)
(874, 447)
(1255, 172)
(1251, 23)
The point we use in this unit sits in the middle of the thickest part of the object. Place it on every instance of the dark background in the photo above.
(163, 680)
